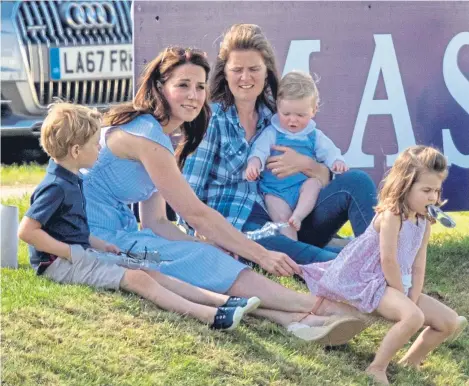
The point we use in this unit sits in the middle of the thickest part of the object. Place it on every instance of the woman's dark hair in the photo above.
(150, 99)
(241, 37)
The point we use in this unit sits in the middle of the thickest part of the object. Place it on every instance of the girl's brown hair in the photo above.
(406, 171)
(241, 37)
(150, 99)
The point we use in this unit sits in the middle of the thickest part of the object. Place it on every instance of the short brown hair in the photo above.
(406, 171)
(68, 124)
(298, 85)
(243, 37)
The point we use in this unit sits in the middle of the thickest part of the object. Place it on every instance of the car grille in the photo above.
(41, 26)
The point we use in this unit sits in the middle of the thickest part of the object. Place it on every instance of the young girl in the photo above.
(383, 270)
(293, 198)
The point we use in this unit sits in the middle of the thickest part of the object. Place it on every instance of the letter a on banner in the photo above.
(384, 61)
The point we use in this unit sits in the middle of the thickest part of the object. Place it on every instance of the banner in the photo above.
(392, 74)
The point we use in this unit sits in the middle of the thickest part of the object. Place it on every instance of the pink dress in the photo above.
(355, 276)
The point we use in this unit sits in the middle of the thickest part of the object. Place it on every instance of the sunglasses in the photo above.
(150, 255)
(186, 52)
(440, 216)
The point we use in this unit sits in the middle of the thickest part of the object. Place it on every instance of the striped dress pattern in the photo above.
(113, 183)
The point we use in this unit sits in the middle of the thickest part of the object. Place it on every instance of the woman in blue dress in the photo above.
(137, 164)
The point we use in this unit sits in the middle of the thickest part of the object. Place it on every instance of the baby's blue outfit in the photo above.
(311, 142)
(113, 183)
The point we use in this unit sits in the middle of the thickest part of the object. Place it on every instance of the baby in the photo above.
(292, 198)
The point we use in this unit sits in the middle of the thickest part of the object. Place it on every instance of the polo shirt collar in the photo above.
(60, 171)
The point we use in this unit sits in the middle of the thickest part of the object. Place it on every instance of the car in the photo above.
(76, 51)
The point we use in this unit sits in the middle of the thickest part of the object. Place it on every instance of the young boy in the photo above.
(291, 199)
(56, 228)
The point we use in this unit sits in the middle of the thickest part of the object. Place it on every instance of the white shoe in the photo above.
(252, 304)
(339, 330)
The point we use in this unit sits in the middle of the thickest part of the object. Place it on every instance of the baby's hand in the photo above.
(111, 248)
(253, 169)
(339, 167)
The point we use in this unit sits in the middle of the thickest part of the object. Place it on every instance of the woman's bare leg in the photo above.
(287, 306)
(273, 295)
(441, 320)
(284, 306)
(330, 307)
(188, 291)
(280, 211)
(279, 304)
(284, 318)
(140, 283)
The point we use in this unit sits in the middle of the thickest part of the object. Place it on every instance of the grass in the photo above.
(17, 175)
(73, 335)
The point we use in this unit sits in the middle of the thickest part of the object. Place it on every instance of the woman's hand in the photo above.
(279, 264)
(292, 162)
(286, 164)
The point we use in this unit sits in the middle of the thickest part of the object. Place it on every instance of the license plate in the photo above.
(95, 62)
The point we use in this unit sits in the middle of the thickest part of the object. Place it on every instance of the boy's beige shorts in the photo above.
(85, 268)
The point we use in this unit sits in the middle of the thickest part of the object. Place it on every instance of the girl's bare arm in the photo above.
(389, 226)
(418, 268)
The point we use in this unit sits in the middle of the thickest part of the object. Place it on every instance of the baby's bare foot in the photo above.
(295, 222)
(378, 375)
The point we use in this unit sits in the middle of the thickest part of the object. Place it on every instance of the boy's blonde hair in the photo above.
(298, 85)
(407, 169)
(67, 125)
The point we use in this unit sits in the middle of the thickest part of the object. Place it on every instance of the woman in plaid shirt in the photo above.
(243, 87)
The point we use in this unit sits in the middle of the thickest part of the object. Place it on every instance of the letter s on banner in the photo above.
(458, 87)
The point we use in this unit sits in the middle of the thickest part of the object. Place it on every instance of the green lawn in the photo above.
(73, 335)
(16, 175)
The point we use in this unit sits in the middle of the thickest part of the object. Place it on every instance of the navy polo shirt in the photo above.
(58, 204)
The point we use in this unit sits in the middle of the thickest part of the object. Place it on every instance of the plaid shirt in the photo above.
(216, 170)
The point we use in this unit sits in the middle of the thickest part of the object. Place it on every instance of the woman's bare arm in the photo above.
(153, 216)
(165, 174)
